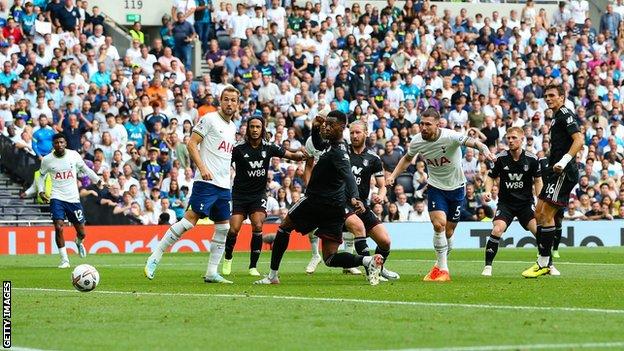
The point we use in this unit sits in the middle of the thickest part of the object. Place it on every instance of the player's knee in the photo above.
(439, 227)
(256, 227)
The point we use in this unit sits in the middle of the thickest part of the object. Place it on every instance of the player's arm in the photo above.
(317, 140)
(380, 182)
(82, 166)
(307, 171)
(43, 170)
(405, 161)
(295, 156)
(479, 146)
(343, 166)
(538, 184)
(193, 148)
(577, 145)
(491, 179)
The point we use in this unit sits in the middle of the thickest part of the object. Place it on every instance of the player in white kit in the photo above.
(63, 166)
(441, 149)
(210, 148)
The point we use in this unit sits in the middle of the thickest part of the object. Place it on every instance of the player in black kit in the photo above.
(252, 158)
(559, 177)
(322, 208)
(518, 172)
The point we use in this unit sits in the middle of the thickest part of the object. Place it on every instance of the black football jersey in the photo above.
(252, 166)
(364, 166)
(564, 124)
(516, 177)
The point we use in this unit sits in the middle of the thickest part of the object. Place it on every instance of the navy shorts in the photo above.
(62, 210)
(209, 200)
(447, 201)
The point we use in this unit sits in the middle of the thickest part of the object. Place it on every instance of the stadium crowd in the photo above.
(130, 113)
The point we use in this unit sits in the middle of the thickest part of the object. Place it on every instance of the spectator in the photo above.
(393, 213)
(183, 35)
(42, 138)
(404, 207)
(419, 213)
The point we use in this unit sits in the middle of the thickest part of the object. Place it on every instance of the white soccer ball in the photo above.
(85, 278)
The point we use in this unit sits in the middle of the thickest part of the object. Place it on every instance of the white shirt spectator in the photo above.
(184, 6)
(239, 25)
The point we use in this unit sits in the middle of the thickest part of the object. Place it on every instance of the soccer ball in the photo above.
(85, 278)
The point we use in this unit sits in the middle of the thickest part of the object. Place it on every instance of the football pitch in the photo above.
(581, 309)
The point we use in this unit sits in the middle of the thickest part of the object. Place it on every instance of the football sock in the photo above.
(279, 247)
(440, 244)
(557, 238)
(173, 234)
(348, 242)
(361, 246)
(544, 244)
(344, 260)
(450, 245)
(314, 243)
(63, 253)
(256, 249)
(491, 248)
(230, 242)
(382, 252)
(217, 246)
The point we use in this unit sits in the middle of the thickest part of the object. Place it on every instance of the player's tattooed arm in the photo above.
(481, 147)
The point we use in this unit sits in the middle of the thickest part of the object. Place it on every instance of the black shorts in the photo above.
(308, 214)
(246, 207)
(507, 214)
(368, 218)
(557, 187)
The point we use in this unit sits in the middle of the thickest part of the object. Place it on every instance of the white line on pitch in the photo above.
(337, 299)
(523, 347)
(18, 348)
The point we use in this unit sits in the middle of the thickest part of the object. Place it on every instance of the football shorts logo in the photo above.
(263, 153)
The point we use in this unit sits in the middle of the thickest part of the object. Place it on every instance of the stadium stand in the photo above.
(129, 105)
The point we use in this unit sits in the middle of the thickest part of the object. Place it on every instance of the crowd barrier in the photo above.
(143, 239)
(18, 163)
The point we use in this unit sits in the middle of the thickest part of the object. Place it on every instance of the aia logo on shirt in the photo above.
(438, 163)
(61, 175)
(225, 147)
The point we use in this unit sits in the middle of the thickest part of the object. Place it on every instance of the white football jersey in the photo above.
(443, 158)
(64, 174)
(215, 150)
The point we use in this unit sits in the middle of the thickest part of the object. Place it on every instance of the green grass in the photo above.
(178, 311)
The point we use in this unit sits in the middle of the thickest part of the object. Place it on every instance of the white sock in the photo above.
(217, 246)
(366, 260)
(314, 240)
(542, 261)
(450, 245)
(349, 245)
(63, 253)
(272, 274)
(173, 234)
(440, 244)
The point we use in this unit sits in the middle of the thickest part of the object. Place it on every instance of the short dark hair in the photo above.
(58, 136)
(557, 87)
(431, 112)
(339, 115)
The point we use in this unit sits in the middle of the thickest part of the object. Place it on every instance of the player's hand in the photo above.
(390, 180)
(358, 206)
(304, 153)
(377, 199)
(22, 195)
(557, 168)
(490, 157)
(44, 197)
(487, 197)
(205, 174)
(101, 183)
(318, 121)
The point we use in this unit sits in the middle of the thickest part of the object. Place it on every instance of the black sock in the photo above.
(382, 252)
(544, 240)
(280, 244)
(361, 246)
(557, 238)
(344, 260)
(230, 241)
(256, 249)
(491, 248)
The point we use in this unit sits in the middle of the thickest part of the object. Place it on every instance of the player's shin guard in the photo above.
(344, 260)
(440, 244)
(279, 247)
(173, 234)
(361, 247)
(230, 242)
(217, 246)
(348, 239)
(544, 238)
(256, 249)
(491, 248)
(557, 237)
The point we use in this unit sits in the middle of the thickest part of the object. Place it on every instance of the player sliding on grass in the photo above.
(210, 149)
(323, 206)
(518, 172)
(441, 149)
(560, 176)
(364, 165)
(63, 166)
(251, 158)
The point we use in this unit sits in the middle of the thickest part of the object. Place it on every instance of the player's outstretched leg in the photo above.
(379, 234)
(440, 271)
(349, 246)
(217, 246)
(173, 234)
(60, 243)
(280, 244)
(356, 233)
(316, 256)
(333, 258)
